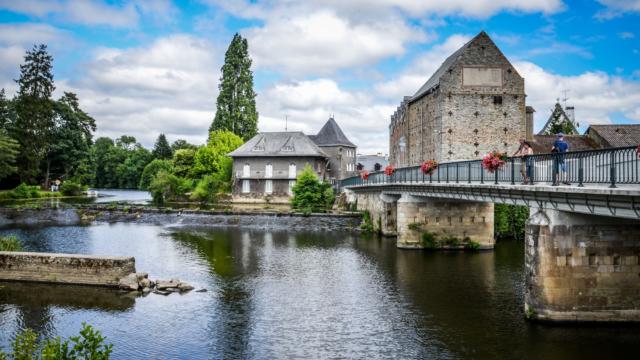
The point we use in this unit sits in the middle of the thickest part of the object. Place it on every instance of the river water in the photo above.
(303, 295)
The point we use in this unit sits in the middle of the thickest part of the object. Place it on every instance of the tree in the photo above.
(310, 194)
(9, 150)
(5, 112)
(34, 111)
(236, 104)
(183, 160)
(151, 170)
(161, 149)
(213, 157)
(182, 144)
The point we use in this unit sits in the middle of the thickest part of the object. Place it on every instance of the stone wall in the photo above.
(65, 268)
(582, 267)
(339, 157)
(382, 209)
(449, 221)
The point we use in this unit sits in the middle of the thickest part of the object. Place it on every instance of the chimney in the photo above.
(571, 114)
(529, 123)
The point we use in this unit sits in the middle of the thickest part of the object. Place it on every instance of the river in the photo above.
(307, 295)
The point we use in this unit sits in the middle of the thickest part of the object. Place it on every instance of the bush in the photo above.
(367, 224)
(70, 188)
(207, 189)
(310, 194)
(509, 221)
(429, 240)
(90, 344)
(166, 187)
(24, 191)
(472, 245)
(151, 170)
(10, 243)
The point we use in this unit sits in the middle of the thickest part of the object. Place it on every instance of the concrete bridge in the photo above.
(582, 241)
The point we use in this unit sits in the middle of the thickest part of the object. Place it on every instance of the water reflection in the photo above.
(284, 294)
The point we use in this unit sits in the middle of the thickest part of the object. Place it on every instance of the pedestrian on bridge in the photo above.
(560, 169)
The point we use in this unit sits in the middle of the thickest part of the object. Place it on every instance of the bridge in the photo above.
(582, 240)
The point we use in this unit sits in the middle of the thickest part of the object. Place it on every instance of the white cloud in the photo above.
(94, 12)
(627, 35)
(322, 42)
(168, 86)
(616, 8)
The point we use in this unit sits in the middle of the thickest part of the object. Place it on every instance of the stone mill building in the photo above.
(268, 164)
(473, 104)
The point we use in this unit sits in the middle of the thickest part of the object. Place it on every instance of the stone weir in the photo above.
(65, 268)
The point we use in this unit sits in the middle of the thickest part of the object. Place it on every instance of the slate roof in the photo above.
(542, 144)
(563, 118)
(285, 144)
(617, 135)
(331, 135)
(368, 161)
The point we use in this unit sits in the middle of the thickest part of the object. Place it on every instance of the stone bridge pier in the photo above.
(581, 267)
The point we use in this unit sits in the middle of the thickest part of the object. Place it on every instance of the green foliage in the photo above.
(236, 105)
(10, 243)
(560, 123)
(24, 191)
(151, 170)
(471, 245)
(414, 226)
(90, 344)
(70, 188)
(367, 224)
(9, 149)
(168, 187)
(213, 158)
(329, 197)
(509, 221)
(161, 149)
(207, 189)
(182, 144)
(309, 193)
(183, 160)
(119, 164)
(451, 241)
(429, 240)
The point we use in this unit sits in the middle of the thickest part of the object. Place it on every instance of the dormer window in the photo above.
(288, 146)
(259, 146)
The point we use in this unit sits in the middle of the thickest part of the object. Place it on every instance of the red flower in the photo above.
(428, 167)
(389, 170)
(494, 161)
(638, 151)
(364, 175)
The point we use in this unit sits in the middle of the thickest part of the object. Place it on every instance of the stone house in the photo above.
(371, 163)
(269, 163)
(614, 135)
(473, 104)
(564, 118)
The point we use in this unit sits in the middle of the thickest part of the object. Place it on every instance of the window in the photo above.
(268, 186)
(246, 187)
(246, 171)
(292, 171)
(291, 185)
(497, 100)
(268, 171)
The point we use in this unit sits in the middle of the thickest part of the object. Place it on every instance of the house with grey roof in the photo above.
(561, 119)
(615, 135)
(269, 163)
(371, 163)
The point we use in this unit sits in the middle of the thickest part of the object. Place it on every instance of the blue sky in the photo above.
(145, 67)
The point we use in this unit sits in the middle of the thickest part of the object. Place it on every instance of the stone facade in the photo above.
(581, 267)
(342, 161)
(65, 268)
(473, 104)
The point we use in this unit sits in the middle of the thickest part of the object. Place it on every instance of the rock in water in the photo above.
(142, 275)
(184, 287)
(129, 282)
(201, 290)
(145, 283)
(163, 284)
(160, 292)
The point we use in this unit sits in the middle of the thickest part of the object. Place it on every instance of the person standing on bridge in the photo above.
(523, 151)
(559, 148)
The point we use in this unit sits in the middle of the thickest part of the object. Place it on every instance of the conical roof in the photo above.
(331, 135)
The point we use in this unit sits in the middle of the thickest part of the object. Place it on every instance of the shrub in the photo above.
(429, 240)
(90, 344)
(414, 226)
(151, 170)
(451, 241)
(166, 187)
(366, 225)
(207, 189)
(311, 194)
(70, 188)
(10, 243)
(24, 191)
(510, 221)
(472, 245)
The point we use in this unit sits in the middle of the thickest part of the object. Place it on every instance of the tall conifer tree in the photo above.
(34, 111)
(236, 104)
(162, 150)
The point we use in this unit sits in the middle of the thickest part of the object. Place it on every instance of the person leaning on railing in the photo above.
(525, 163)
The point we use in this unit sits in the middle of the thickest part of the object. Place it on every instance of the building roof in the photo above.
(368, 161)
(617, 135)
(558, 113)
(542, 144)
(286, 144)
(331, 135)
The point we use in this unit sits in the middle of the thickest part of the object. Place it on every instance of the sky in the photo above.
(145, 67)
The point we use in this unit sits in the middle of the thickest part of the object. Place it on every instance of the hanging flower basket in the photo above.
(494, 161)
(364, 175)
(428, 167)
(389, 170)
(638, 151)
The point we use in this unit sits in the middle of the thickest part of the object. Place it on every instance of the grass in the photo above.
(10, 243)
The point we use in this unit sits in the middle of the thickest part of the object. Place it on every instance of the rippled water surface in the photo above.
(274, 295)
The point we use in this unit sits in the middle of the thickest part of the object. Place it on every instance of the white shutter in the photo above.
(268, 186)
(292, 171)
(246, 186)
(268, 171)
(246, 171)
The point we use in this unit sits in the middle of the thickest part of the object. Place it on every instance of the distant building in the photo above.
(269, 163)
(561, 120)
(371, 162)
(615, 135)
(473, 104)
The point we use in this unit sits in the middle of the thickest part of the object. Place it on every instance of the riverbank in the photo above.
(111, 213)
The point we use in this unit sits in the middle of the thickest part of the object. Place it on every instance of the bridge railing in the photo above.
(603, 166)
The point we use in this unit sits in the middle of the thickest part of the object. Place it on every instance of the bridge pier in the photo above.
(382, 208)
(581, 267)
